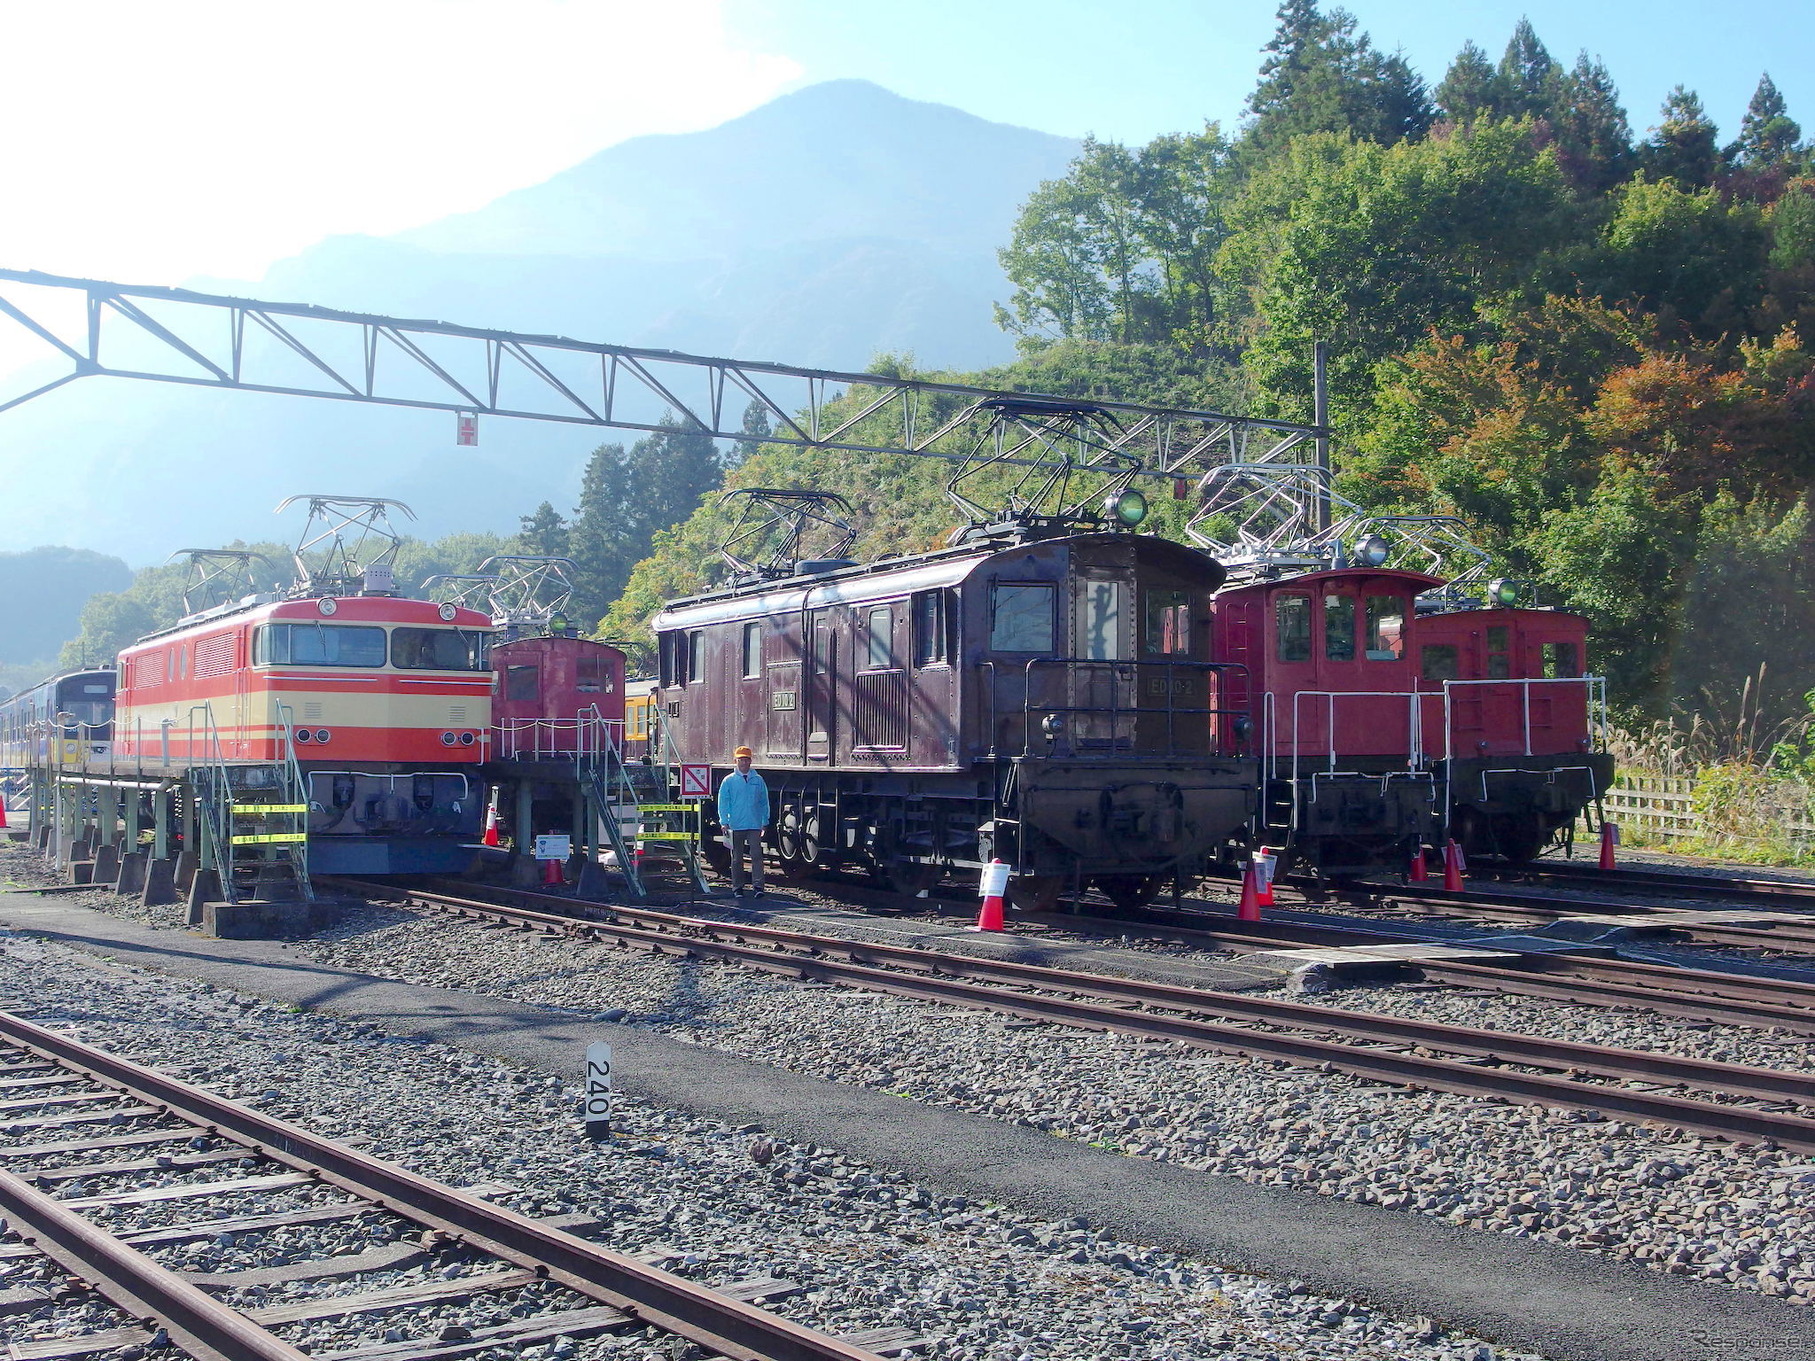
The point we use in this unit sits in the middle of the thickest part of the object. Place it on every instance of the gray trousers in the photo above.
(747, 842)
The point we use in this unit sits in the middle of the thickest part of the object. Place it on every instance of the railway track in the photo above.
(73, 1116)
(1693, 994)
(1732, 888)
(1729, 1101)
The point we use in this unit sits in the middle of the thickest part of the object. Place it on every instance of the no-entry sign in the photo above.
(696, 781)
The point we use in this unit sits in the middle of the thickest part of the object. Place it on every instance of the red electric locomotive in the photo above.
(384, 704)
(1393, 709)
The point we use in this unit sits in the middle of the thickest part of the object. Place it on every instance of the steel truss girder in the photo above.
(810, 408)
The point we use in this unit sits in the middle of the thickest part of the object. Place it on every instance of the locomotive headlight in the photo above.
(1371, 551)
(558, 624)
(1503, 591)
(1127, 508)
(327, 605)
(447, 611)
(1053, 725)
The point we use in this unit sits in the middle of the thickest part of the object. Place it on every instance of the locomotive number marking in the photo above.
(782, 699)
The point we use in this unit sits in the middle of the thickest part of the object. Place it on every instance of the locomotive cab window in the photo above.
(1021, 617)
(753, 650)
(319, 645)
(1386, 628)
(1440, 662)
(932, 622)
(1292, 628)
(1560, 661)
(1499, 652)
(592, 675)
(1339, 628)
(696, 657)
(1102, 619)
(522, 683)
(439, 649)
(1167, 626)
(879, 639)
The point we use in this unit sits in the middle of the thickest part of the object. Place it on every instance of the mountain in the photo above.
(828, 226)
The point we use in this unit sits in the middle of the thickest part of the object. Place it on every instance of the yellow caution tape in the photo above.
(667, 807)
(269, 837)
(259, 810)
(668, 836)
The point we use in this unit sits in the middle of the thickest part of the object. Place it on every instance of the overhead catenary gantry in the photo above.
(171, 335)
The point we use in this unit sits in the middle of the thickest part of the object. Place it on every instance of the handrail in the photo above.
(1129, 670)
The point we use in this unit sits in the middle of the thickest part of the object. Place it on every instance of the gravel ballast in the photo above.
(871, 1248)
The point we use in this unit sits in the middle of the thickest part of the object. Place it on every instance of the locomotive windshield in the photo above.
(89, 702)
(439, 649)
(1021, 618)
(319, 645)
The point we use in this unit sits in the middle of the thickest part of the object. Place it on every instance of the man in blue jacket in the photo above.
(743, 811)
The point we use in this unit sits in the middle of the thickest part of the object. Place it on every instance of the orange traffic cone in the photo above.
(1418, 873)
(2, 812)
(1610, 837)
(992, 885)
(1264, 861)
(1453, 867)
(1248, 910)
(491, 823)
(551, 873)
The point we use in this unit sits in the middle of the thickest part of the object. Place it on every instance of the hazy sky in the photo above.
(155, 142)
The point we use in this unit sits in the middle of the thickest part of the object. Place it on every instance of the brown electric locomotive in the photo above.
(1049, 701)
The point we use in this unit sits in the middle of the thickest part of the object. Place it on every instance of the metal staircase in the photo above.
(636, 803)
(253, 820)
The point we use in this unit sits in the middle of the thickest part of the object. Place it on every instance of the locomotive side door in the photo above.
(821, 719)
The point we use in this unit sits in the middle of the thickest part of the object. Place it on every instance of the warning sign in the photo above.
(696, 782)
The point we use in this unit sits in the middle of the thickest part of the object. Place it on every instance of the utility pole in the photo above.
(1320, 414)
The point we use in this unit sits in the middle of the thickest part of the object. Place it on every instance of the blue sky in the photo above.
(155, 143)
(1131, 69)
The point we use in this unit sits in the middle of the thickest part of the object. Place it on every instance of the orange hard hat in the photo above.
(743, 751)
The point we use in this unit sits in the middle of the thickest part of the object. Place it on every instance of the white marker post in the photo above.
(598, 1091)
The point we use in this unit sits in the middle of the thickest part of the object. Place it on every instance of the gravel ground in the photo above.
(870, 1247)
(1683, 1204)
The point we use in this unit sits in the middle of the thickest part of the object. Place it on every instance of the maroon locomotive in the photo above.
(1384, 727)
(1049, 701)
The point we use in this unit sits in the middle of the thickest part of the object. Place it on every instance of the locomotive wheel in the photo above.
(1036, 892)
(1130, 890)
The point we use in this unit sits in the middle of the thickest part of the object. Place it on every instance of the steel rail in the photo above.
(195, 1321)
(1691, 885)
(651, 1296)
(951, 978)
(1696, 994)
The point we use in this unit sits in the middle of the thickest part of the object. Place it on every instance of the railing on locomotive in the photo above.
(587, 734)
(1129, 670)
(1594, 698)
(1414, 725)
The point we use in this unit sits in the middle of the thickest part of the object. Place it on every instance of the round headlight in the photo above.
(558, 624)
(1503, 591)
(322, 734)
(1371, 550)
(466, 739)
(1127, 508)
(447, 611)
(327, 605)
(304, 735)
(448, 739)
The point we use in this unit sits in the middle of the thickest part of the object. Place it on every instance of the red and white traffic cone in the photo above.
(551, 874)
(1264, 863)
(1248, 909)
(2, 812)
(491, 822)
(1454, 867)
(1419, 872)
(992, 884)
(1610, 837)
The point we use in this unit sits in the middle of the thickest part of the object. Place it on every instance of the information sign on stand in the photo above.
(598, 1091)
(696, 781)
(554, 847)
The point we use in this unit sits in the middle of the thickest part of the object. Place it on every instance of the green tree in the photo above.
(1685, 254)
(543, 534)
(1594, 140)
(1469, 89)
(1684, 145)
(756, 429)
(1319, 75)
(1370, 247)
(1528, 79)
(1768, 136)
